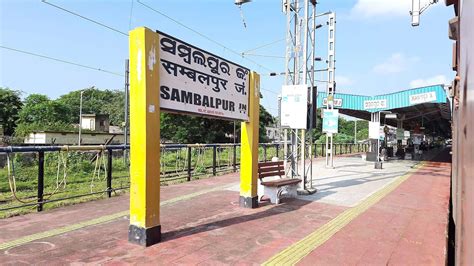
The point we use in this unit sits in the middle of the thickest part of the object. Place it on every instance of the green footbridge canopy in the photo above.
(426, 106)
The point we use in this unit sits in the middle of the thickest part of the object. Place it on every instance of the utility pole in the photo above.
(80, 120)
(300, 57)
(331, 84)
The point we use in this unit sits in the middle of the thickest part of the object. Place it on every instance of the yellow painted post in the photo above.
(145, 226)
(249, 147)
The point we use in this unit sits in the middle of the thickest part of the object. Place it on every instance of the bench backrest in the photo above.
(271, 169)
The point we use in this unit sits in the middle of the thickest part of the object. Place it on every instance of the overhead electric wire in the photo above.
(61, 60)
(269, 91)
(166, 16)
(262, 46)
(202, 35)
(270, 56)
(83, 17)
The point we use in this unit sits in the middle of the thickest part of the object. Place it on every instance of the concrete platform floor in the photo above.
(397, 215)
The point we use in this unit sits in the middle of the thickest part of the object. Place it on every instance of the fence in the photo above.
(179, 162)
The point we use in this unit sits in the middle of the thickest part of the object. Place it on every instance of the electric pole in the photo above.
(300, 57)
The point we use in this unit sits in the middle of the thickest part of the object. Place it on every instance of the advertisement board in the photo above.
(374, 130)
(330, 121)
(198, 82)
(400, 133)
(294, 106)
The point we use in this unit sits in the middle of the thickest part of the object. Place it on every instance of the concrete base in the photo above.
(247, 202)
(378, 165)
(144, 236)
(307, 191)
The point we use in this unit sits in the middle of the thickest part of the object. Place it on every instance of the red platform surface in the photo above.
(408, 226)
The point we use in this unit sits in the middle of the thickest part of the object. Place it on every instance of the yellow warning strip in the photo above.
(100, 220)
(302, 248)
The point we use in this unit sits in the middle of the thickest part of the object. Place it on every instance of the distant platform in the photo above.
(358, 216)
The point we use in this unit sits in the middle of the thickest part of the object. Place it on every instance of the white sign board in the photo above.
(294, 106)
(375, 104)
(195, 81)
(374, 130)
(423, 97)
(336, 102)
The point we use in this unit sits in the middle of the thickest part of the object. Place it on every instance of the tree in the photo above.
(41, 113)
(95, 101)
(265, 119)
(191, 129)
(10, 106)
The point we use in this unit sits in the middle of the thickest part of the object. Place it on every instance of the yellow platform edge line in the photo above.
(296, 252)
(100, 220)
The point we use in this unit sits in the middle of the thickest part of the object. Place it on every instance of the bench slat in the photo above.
(266, 164)
(270, 169)
(281, 182)
(276, 173)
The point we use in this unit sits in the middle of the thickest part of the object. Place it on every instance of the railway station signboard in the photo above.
(197, 82)
(423, 97)
(171, 75)
(375, 104)
(337, 102)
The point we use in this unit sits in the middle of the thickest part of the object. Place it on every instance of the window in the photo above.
(331, 34)
(331, 46)
(101, 123)
(331, 21)
(330, 61)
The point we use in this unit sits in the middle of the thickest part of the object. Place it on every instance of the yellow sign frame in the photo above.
(145, 227)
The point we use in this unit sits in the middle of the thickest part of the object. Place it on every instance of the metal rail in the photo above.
(186, 173)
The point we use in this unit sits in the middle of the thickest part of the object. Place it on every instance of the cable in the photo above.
(202, 35)
(264, 55)
(269, 91)
(61, 60)
(83, 17)
(265, 45)
(131, 13)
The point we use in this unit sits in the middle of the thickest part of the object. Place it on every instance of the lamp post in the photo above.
(80, 120)
(355, 131)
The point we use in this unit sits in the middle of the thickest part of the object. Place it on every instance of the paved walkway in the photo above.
(397, 215)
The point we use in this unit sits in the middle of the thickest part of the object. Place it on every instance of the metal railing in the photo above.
(179, 162)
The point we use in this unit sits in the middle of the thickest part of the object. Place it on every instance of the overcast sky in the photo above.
(377, 49)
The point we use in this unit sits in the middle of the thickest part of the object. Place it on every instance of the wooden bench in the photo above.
(277, 188)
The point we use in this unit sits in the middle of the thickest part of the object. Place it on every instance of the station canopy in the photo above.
(425, 107)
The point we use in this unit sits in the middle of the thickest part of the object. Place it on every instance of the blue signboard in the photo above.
(330, 121)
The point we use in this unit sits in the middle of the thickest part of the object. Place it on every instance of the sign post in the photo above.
(145, 228)
(249, 148)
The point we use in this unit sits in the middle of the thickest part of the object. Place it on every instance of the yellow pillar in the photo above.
(249, 147)
(145, 226)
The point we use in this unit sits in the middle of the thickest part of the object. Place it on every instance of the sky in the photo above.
(377, 49)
